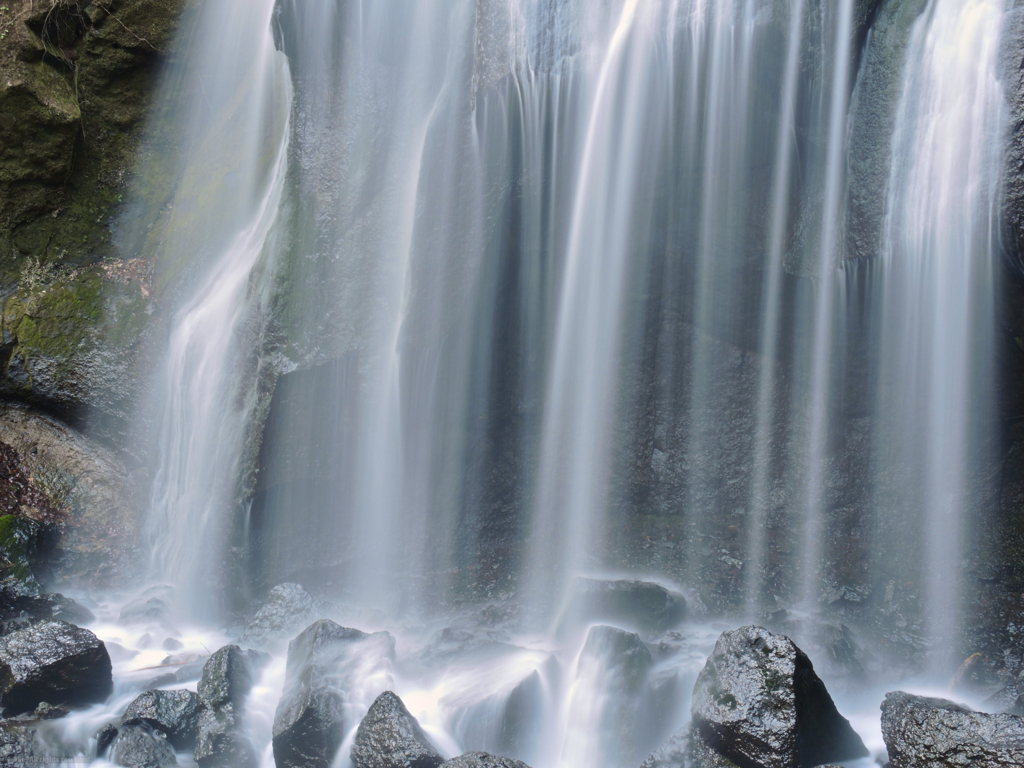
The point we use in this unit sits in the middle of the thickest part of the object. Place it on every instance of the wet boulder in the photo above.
(104, 738)
(758, 702)
(641, 606)
(483, 760)
(175, 714)
(140, 746)
(228, 676)
(19, 747)
(389, 737)
(151, 606)
(285, 611)
(934, 733)
(673, 753)
(309, 723)
(55, 662)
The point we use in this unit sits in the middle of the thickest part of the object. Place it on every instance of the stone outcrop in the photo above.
(141, 746)
(389, 737)
(54, 662)
(483, 760)
(286, 609)
(758, 702)
(175, 714)
(921, 732)
(642, 606)
(228, 676)
(309, 724)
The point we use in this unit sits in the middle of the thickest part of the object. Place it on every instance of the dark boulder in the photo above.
(139, 746)
(935, 733)
(483, 760)
(309, 722)
(173, 713)
(389, 737)
(104, 738)
(285, 611)
(228, 676)
(641, 606)
(55, 662)
(616, 663)
(758, 702)
(46, 711)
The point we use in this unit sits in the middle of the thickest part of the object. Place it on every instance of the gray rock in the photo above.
(19, 747)
(139, 746)
(483, 760)
(174, 713)
(104, 738)
(285, 611)
(228, 676)
(389, 737)
(143, 610)
(55, 662)
(640, 606)
(617, 663)
(673, 753)
(934, 733)
(309, 722)
(47, 711)
(758, 702)
(1009, 699)
(703, 755)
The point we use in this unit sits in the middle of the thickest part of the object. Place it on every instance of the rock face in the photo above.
(173, 713)
(285, 611)
(483, 760)
(758, 702)
(642, 606)
(389, 737)
(309, 724)
(228, 676)
(140, 746)
(18, 747)
(55, 662)
(935, 733)
(673, 753)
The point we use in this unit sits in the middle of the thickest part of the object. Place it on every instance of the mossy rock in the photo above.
(72, 120)
(19, 541)
(74, 343)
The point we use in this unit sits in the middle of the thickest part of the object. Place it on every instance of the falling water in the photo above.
(223, 211)
(522, 273)
(937, 292)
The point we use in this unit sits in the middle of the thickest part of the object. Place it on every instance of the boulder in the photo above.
(758, 702)
(611, 689)
(389, 737)
(483, 760)
(104, 738)
(309, 723)
(19, 747)
(641, 606)
(673, 753)
(175, 714)
(55, 662)
(934, 733)
(151, 606)
(228, 676)
(140, 746)
(285, 611)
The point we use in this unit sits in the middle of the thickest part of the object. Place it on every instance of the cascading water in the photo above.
(545, 290)
(936, 283)
(203, 407)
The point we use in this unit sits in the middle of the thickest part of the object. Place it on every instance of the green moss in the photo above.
(17, 540)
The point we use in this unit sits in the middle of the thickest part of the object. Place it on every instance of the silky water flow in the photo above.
(497, 279)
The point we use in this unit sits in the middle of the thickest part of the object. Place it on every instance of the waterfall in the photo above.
(936, 286)
(471, 299)
(221, 218)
